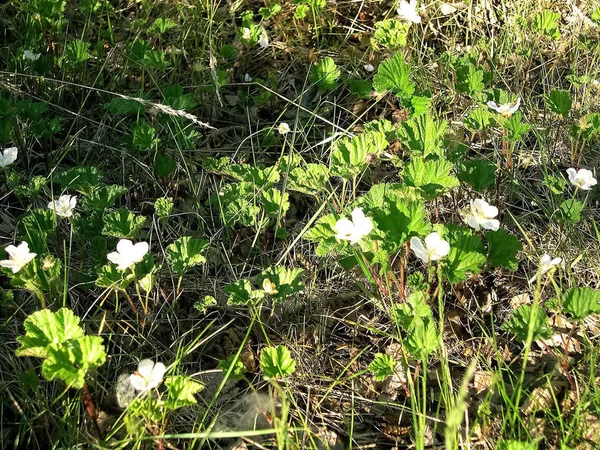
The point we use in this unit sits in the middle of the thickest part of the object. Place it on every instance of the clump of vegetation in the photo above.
(300, 224)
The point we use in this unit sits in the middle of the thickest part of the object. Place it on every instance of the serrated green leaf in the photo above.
(423, 135)
(325, 74)
(102, 197)
(479, 119)
(350, 155)
(274, 203)
(502, 249)
(181, 391)
(242, 293)
(390, 34)
(276, 362)
(394, 75)
(559, 102)
(122, 224)
(360, 88)
(546, 22)
(515, 127)
(80, 179)
(71, 360)
(398, 220)
(571, 211)
(581, 302)
(520, 318)
(517, 445)
(479, 173)
(286, 281)
(44, 328)
(431, 176)
(467, 254)
(422, 339)
(469, 79)
(312, 179)
(185, 253)
(238, 370)
(382, 366)
(111, 278)
(323, 234)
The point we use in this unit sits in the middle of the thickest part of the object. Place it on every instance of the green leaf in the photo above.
(557, 185)
(44, 328)
(405, 315)
(322, 233)
(432, 176)
(517, 445)
(390, 34)
(242, 293)
(122, 224)
(111, 278)
(360, 88)
(203, 304)
(312, 179)
(80, 179)
(276, 362)
(350, 155)
(479, 173)
(559, 102)
(185, 253)
(143, 135)
(581, 302)
(587, 127)
(467, 254)
(161, 26)
(237, 204)
(163, 207)
(301, 12)
(71, 360)
(423, 135)
(270, 11)
(382, 366)
(515, 127)
(102, 197)
(398, 220)
(422, 339)
(546, 22)
(164, 165)
(181, 391)
(420, 105)
(479, 119)
(286, 281)
(325, 74)
(596, 15)
(77, 51)
(502, 249)
(571, 211)
(394, 75)
(470, 79)
(124, 106)
(35, 227)
(238, 370)
(274, 202)
(519, 321)
(31, 110)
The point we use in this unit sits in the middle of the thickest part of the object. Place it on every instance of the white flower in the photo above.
(246, 34)
(283, 128)
(505, 109)
(64, 206)
(546, 264)
(582, 178)
(408, 11)
(435, 247)
(29, 55)
(263, 40)
(481, 214)
(18, 256)
(269, 287)
(369, 67)
(247, 78)
(446, 9)
(148, 375)
(8, 156)
(127, 254)
(354, 230)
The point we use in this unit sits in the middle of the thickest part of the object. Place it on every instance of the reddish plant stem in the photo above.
(90, 408)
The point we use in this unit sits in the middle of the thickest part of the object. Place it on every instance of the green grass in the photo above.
(461, 378)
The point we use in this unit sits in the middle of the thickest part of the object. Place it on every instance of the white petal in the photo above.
(343, 228)
(491, 224)
(145, 368)
(472, 222)
(115, 258)
(124, 246)
(493, 105)
(572, 174)
(138, 382)
(555, 261)
(417, 246)
(139, 251)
